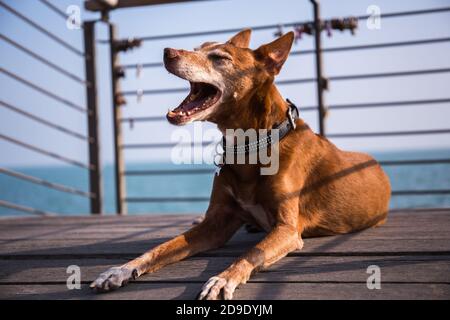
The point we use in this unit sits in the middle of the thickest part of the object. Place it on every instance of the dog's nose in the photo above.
(170, 53)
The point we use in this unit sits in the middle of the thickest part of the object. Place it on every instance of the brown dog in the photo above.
(318, 190)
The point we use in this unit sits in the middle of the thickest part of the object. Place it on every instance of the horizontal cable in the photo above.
(331, 107)
(295, 81)
(22, 208)
(407, 13)
(166, 199)
(374, 46)
(167, 172)
(309, 80)
(387, 133)
(143, 65)
(143, 119)
(311, 51)
(374, 104)
(420, 192)
(155, 91)
(54, 8)
(205, 199)
(43, 121)
(45, 183)
(165, 145)
(367, 76)
(60, 12)
(43, 91)
(390, 74)
(43, 60)
(212, 32)
(42, 30)
(45, 152)
(381, 104)
(413, 162)
(332, 135)
(284, 25)
(209, 171)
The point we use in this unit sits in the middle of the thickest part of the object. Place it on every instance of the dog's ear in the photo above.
(241, 39)
(275, 53)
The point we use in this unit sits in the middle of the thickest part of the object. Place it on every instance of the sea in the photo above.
(406, 177)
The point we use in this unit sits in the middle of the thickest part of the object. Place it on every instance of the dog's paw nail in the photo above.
(113, 278)
(215, 288)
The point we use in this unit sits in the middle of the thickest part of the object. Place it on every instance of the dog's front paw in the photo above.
(113, 278)
(218, 287)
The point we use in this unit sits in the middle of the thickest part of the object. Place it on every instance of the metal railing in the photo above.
(121, 173)
(90, 109)
(94, 195)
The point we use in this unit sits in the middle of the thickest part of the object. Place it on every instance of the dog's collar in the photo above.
(283, 129)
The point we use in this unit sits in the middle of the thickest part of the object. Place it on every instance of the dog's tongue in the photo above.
(191, 105)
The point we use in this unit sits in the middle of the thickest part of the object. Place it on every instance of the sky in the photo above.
(223, 14)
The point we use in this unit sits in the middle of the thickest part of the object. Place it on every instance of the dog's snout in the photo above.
(170, 53)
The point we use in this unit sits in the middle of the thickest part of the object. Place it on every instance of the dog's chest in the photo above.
(254, 212)
(260, 216)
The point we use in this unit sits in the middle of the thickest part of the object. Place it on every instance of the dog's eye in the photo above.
(219, 57)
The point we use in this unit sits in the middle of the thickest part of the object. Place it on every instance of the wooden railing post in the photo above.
(117, 101)
(95, 172)
(320, 79)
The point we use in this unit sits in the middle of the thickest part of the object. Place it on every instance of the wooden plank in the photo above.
(343, 244)
(249, 291)
(400, 217)
(434, 269)
(91, 232)
(395, 218)
(105, 219)
(140, 232)
(399, 227)
(323, 246)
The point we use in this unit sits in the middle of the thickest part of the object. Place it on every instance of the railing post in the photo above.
(95, 172)
(321, 81)
(117, 101)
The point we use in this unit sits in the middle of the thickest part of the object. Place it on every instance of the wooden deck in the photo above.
(412, 250)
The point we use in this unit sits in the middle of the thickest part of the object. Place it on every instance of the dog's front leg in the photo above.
(284, 238)
(217, 227)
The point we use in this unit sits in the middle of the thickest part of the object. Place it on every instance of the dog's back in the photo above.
(345, 192)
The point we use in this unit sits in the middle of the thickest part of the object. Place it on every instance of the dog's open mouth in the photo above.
(201, 97)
